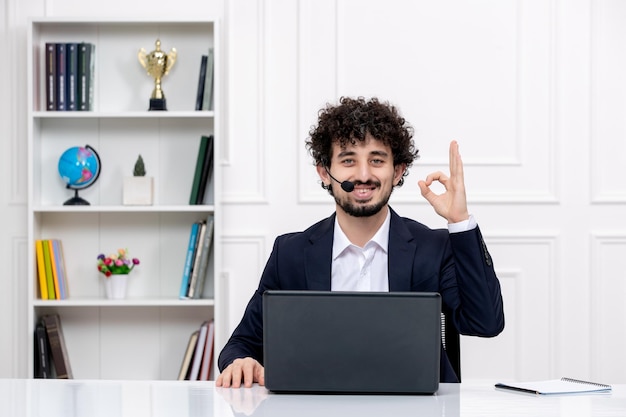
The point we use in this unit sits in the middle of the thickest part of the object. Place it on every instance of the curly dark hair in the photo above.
(349, 122)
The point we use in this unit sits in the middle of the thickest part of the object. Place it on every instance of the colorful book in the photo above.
(58, 348)
(191, 248)
(71, 77)
(41, 270)
(185, 365)
(205, 251)
(201, 81)
(207, 358)
(61, 62)
(49, 274)
(50, 72)
(204, 141)
(207, 169)
(53, 264)
(59, 263)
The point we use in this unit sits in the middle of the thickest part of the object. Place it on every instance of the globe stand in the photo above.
(76, 201)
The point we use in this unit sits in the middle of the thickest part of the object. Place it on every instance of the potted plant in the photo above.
(115, 268)
(138, 189)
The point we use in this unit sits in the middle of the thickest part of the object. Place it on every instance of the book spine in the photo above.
(41, 270)
(198, 352)
(207, 358)
(57, 346)
(61, 62)
(188, 261)
(198, 171)
(53, 264)
(201, 78)
(42, 353)
(196, 261)
(85, 74)
(60, 270)
(51, 69)
(204, 258)
(207, 169)
(48, 266)
(207, 99)
(71, 77)
(185, 365)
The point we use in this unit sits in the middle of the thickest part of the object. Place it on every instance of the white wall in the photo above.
(533, 90)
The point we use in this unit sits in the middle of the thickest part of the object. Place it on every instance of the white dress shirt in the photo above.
(356, 268)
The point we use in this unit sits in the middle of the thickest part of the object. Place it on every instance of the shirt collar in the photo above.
(381, 237)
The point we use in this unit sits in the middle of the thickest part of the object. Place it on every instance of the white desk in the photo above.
(79, 398)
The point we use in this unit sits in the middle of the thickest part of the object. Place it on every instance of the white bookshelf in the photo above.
(145, 335)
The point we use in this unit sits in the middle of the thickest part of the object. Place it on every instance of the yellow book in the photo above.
(41, 270)
(55, 273)
(48, 266)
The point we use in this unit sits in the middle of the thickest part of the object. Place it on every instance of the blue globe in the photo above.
(79, 168)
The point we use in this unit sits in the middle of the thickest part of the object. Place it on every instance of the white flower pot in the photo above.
(138, 191)
(115, 286)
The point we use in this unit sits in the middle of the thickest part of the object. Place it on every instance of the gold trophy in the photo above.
(157, 63)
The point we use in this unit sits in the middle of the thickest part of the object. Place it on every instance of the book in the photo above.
(42, 352)
(58, 348)
(207, 99)
(196, 260)
(41, 270)
(48, 267)
(191, 346)
(191, 248)
(198, 352)
(202, 148)
(50, 72)
(201, 80)
(59, 263)
(86, 62)
(196, 290)
(207, 169)
(556, 386)
(53, 265)
(61, 63)
(207, 358)
(71, 77)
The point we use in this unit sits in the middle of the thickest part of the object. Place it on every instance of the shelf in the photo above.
(124, 115)
(127, 302)
(201, 208)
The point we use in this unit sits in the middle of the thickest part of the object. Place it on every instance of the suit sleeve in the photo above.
(247, 339)
(470, 287)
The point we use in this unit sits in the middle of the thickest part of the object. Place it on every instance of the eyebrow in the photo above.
(372, 153)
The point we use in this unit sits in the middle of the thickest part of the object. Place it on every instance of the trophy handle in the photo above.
(171, 58)
(143, 58)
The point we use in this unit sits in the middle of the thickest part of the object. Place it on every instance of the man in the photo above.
(362, 150)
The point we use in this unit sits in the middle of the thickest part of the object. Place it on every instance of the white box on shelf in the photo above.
(138, 191)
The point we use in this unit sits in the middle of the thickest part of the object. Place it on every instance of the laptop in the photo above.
(351, 342)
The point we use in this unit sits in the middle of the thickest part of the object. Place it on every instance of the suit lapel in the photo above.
(401, 252)
(318, 256)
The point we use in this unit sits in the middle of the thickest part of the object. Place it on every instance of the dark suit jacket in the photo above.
(457, 265)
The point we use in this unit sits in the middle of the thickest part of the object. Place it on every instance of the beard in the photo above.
(364, 210)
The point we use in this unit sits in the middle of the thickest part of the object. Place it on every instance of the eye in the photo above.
(347, 161)
(377, 161)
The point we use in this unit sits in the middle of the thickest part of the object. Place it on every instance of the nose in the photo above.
(363, 173)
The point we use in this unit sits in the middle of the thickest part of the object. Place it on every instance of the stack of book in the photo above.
(51, 357)
(69, 73)
(51, 272)
(198, 359)
(197, 259)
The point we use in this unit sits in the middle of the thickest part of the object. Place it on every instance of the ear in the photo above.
(321, 171)
(398, 173)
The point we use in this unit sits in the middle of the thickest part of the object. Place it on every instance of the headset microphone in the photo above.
(347, 186)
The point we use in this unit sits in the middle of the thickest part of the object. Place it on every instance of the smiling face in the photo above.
(369, 165)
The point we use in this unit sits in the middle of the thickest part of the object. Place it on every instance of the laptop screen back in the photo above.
(351, 342)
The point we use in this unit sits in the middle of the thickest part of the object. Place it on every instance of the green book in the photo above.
(204, 140)
(49, 276)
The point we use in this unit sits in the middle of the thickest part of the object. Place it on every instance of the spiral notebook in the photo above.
(557, 386)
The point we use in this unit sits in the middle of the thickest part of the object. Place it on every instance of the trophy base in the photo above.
(157, 104)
